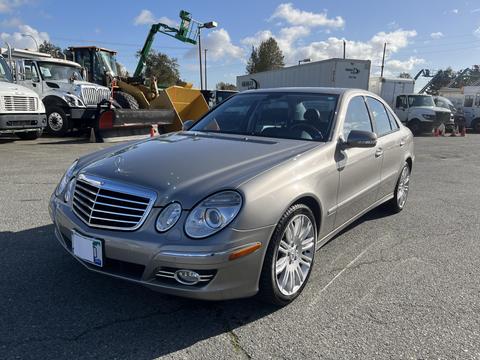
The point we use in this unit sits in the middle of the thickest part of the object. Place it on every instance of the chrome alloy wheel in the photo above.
(295, 254)
(55, 121)
(403, 185)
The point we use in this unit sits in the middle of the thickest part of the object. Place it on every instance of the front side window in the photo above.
(468, 101)
(30, 71)
(401, 102)
(357, 117)
(5, 73)
(300, 116)
(477, 100)
(379, 115)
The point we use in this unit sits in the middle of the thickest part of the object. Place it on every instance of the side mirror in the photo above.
(361, 139)
(187, 125)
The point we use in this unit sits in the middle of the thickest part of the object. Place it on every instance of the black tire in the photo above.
(30, 135)
(268, 287)
(415, 126)
(58, 123)
(394, 205)
(476, 125)
(126, 101)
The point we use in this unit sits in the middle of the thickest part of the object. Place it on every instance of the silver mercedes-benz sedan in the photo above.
(237, 204)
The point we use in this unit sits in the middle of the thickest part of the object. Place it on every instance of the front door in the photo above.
(359, 168)
(401, 108)
(29, 76)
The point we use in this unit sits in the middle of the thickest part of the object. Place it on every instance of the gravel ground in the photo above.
(403, 286)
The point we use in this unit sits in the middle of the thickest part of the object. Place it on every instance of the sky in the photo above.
(419, 34)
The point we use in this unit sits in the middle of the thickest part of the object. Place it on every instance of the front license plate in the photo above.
(87, 249)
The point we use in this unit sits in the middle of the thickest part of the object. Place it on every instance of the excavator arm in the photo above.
(187, 32)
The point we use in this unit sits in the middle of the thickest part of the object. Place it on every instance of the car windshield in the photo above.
(56, 71)
(301, 116)
(5, 74)
(420, 100)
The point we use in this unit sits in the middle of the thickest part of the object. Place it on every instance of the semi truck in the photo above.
(21, 111)
(344, 73)
(416, 111)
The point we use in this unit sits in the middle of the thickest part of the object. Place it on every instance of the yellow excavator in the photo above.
(138, 102)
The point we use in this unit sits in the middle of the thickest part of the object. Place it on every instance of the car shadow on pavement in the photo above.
(53, 307)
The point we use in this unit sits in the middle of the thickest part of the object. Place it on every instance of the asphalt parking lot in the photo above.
(401, 286)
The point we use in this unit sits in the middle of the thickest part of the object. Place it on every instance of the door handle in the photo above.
(379, 152)
(402, 142)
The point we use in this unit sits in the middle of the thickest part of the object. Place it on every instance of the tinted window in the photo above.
(401, 102)
(468, 101)
(357, 117)
(301, 116)
(393, 122)
(379, 115)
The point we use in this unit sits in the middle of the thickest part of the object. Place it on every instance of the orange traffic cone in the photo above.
(152, 131)
(436, 132)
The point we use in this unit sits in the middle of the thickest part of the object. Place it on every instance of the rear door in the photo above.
(359, 168)
(389, 145)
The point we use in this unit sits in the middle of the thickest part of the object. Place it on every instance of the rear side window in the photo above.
(393, 122)
(357, 117)
(379, 115)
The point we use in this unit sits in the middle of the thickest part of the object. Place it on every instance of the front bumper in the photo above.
(12, 123)
(88, 113)
(139, 255)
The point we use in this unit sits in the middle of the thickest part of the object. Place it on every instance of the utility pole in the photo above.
(200, 58)
(206, 82)
(344, 48)
(383, 58)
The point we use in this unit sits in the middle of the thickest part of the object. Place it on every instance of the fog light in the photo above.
(187, 277)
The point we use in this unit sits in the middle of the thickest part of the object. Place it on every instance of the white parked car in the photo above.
(21, 111)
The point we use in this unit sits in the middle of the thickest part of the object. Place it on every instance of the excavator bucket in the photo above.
(187, 103)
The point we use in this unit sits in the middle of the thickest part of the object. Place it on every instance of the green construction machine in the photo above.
(139, 103)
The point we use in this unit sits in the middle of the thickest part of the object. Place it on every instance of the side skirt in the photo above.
(330, 235)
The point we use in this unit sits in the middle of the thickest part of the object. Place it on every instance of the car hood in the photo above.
(187, 166)
(432, 108)
(8, 88)
(67, 85)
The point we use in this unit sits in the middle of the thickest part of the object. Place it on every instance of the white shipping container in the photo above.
(389, 88)
(341, 73)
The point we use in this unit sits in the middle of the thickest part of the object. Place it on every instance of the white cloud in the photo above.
(8, 5)
(11, 23)
(146, 17)
(476, 32)
(403, 66)
(298, 17)
(18, 40)
(455, 11)
(220, 47)
(436, 35)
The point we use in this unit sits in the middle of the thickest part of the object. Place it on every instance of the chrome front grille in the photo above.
(105, 204)
(93, 95)
(20, 103)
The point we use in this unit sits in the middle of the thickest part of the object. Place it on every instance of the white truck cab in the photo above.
(21, 111)
(471, 107)
(70, 102)
(420, 113)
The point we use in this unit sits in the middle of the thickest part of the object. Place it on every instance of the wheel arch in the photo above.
(313, 203)
(52, 100)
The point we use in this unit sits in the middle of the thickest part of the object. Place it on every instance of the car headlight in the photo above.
(429, 116)
(168, 217)
(213, 214)
(66, 178)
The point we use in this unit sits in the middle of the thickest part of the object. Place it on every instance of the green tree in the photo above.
(163, 67)
(442, 78)
(225, 86)
(268, 56)
(48, 48)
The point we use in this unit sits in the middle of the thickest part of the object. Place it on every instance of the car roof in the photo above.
(316, 90)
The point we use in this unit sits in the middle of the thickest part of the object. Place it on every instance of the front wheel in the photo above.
(29, 135)
(290, 256)
(401, 190)
(58, 123)
(415, 126)
(476, 125)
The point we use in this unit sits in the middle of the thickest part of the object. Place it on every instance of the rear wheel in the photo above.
(401, 190)
(415, 126)
(29, 135)
(290, 256)
(58, 123)
(126, 101)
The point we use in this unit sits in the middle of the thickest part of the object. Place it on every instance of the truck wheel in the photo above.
(126, 101)
(476, 125)
(58, 123)
(30, 135)
(415, 126)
